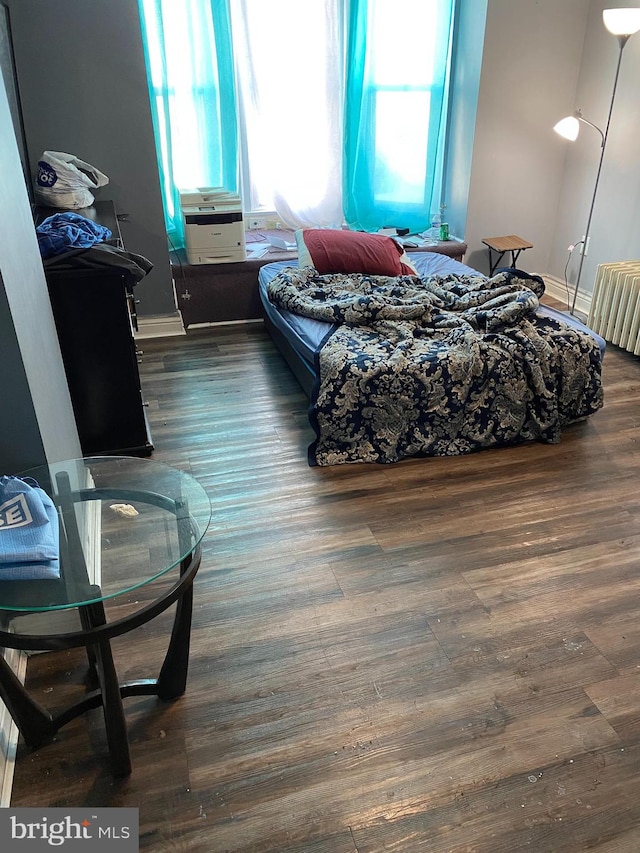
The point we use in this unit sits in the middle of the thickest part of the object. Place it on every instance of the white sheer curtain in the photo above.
(289, 67)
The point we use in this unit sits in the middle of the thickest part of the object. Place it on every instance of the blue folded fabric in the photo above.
(49, 570)
(65, 231)
(29, 531)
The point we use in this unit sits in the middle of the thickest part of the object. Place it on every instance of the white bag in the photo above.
(64, 181)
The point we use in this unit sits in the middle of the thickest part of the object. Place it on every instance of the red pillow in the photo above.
(338, 251)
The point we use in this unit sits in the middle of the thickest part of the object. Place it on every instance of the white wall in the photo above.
(38, 423)
(530, 70)
(541, 60)
(615, 227)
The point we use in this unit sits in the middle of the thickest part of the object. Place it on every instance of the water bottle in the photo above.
(436, 222)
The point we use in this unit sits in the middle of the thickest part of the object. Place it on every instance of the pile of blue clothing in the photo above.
(29, 531)
(65, 231)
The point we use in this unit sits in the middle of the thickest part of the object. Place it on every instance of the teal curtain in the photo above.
(190, 69)
(395, 102)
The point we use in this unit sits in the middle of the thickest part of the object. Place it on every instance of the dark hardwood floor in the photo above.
(441, 655)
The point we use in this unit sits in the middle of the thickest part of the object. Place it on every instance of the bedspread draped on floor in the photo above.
(439, 366)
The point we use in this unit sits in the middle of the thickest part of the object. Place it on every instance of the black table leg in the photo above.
(494, 264)
(113, 710)
(34, 722)
(172, 681)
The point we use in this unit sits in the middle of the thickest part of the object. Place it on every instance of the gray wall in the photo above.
(83, 87)
(37, 418)
(21, 444)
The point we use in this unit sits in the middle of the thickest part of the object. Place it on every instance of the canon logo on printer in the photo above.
(46, 175)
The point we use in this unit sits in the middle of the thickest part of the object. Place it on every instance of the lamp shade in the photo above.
(622, 22)
(568, 127)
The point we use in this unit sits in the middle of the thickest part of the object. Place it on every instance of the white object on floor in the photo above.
(124, 509)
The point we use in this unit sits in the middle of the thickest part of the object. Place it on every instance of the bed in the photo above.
(441, 363)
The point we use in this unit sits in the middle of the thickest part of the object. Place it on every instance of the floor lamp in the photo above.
(623, 23)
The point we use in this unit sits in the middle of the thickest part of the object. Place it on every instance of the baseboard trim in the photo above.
(160, 326)
(557, 289)
(225, 323)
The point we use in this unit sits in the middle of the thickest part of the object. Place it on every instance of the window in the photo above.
(400, 91)
(289, 71)
(320, 110)
(396, 81)
(190, 72)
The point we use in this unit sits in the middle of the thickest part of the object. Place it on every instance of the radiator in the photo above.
(615, 304)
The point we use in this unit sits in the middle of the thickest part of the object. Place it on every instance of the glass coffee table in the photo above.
(130, 546)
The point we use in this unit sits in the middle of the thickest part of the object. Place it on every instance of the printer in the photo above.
(213, 225)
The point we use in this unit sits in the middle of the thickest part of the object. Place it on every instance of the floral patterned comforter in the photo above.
(438, 366)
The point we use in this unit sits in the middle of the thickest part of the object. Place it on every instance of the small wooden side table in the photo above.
(502, 245)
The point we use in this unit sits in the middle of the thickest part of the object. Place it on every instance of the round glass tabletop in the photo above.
(119, 522)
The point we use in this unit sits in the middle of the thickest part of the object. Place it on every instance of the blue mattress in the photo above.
(305, 335)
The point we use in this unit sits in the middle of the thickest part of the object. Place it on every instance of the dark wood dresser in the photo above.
(95, 316)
